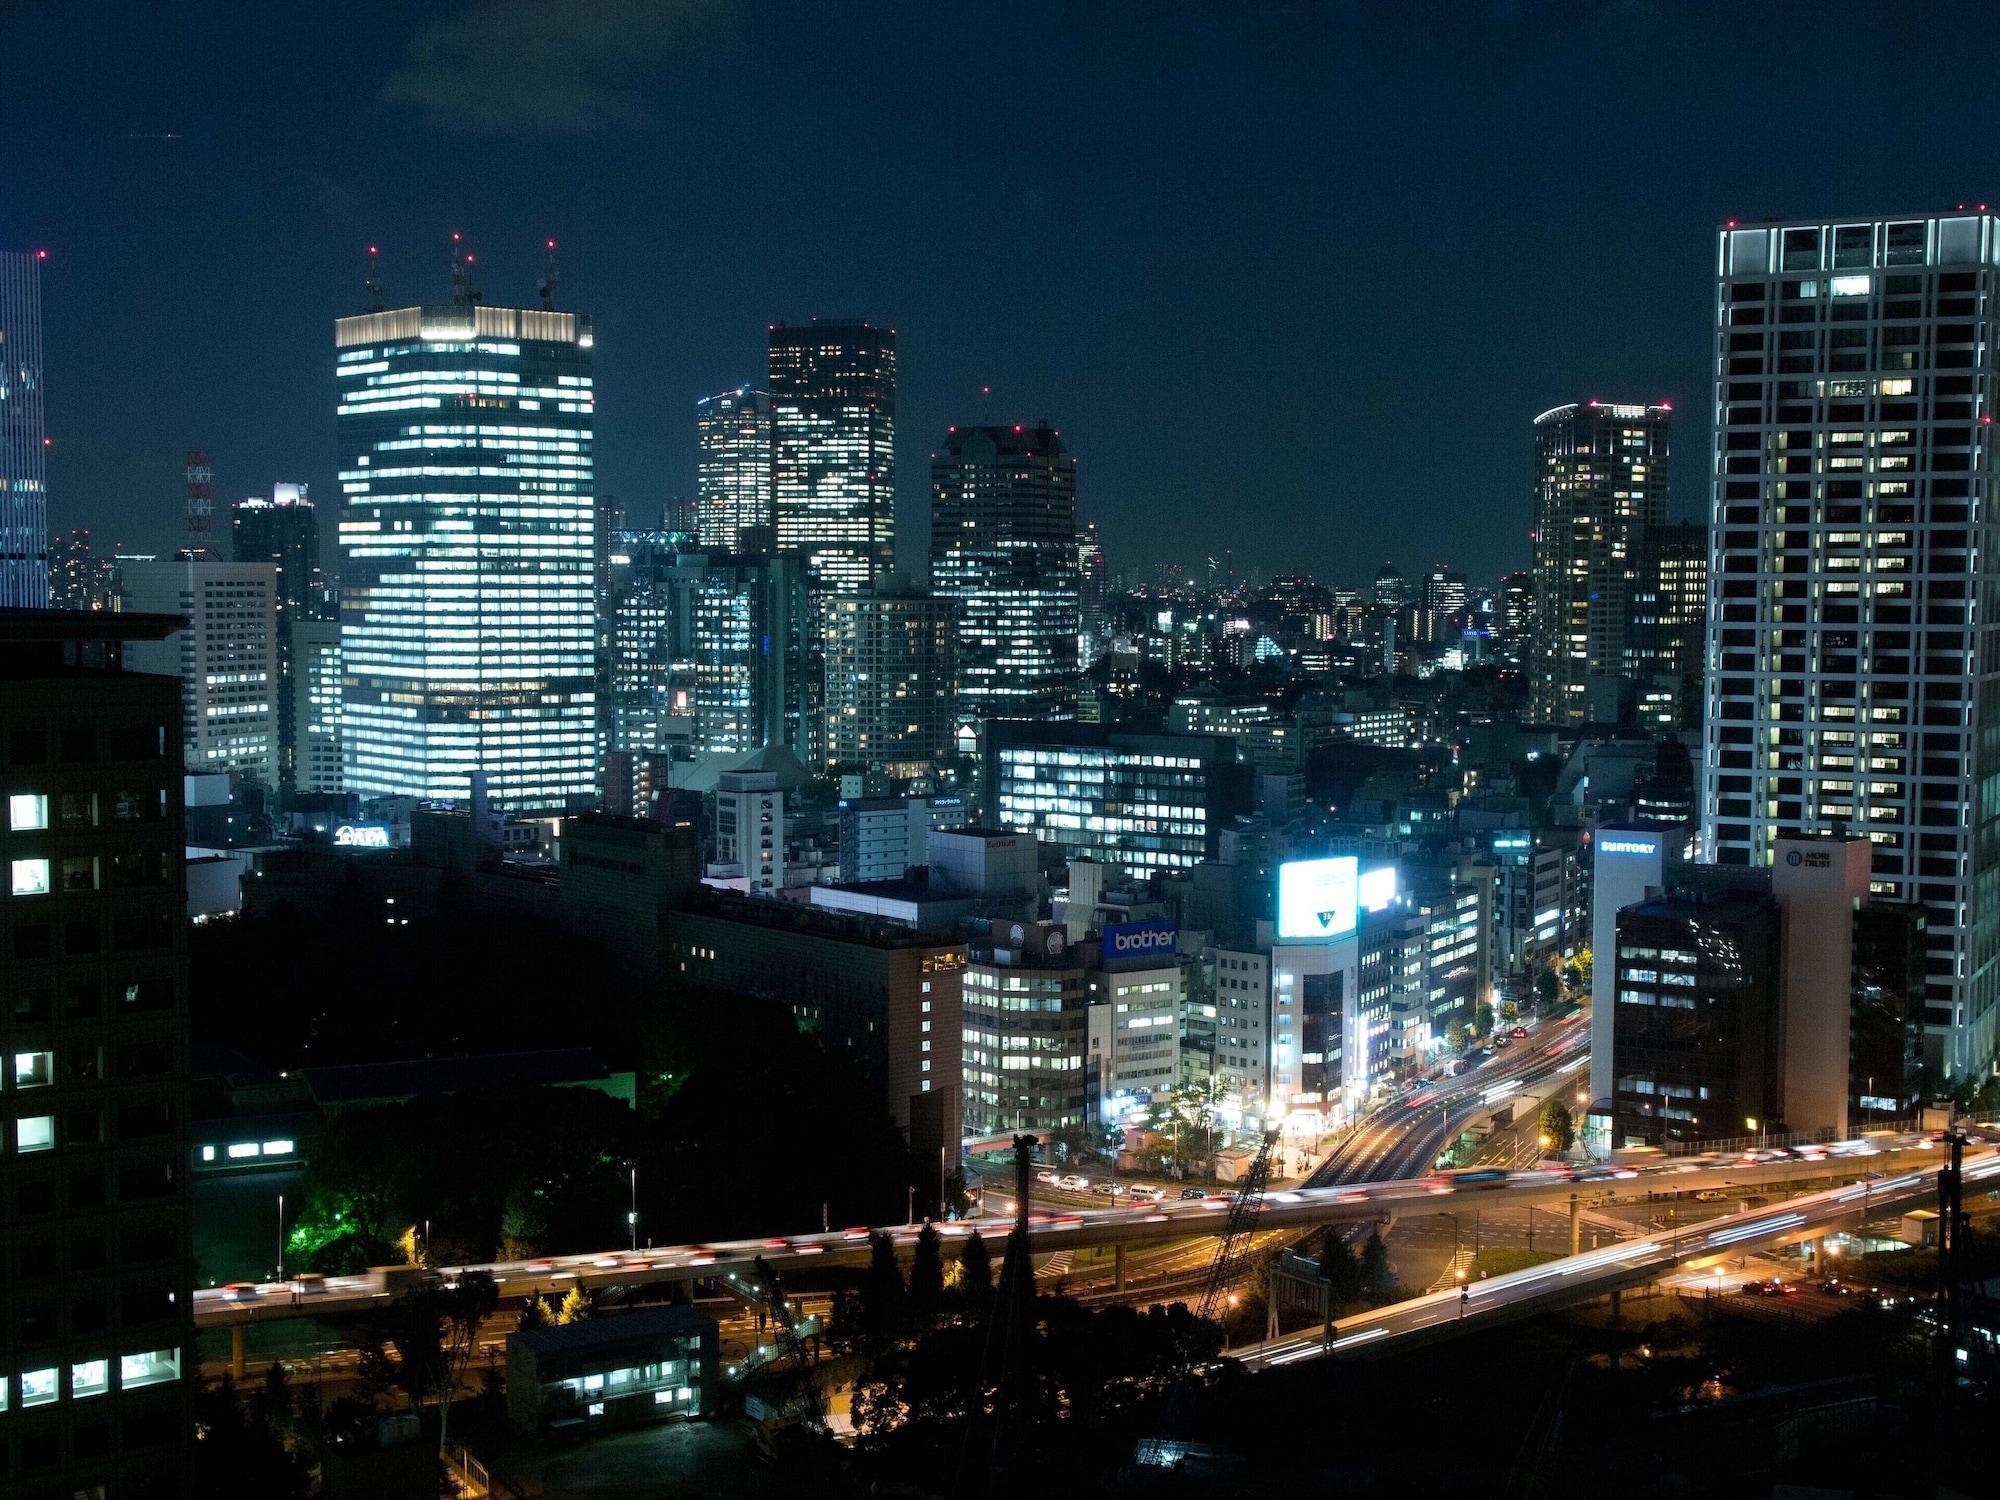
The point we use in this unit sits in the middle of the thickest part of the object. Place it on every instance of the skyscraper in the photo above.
(101, 1365)
(1093, 594)
(1670, 608)
(312, 705)
(734, 468)
(1003, 548)
(833, 449)
(24, 470)
(1445, 593)
(226, 658)
(1392, 590)
(468, 608)
(282, 531)
(78, 577)
(1600, 485)
(1854, 650)
(889, 679)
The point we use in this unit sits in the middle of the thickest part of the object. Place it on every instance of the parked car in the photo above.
(1193, 1192)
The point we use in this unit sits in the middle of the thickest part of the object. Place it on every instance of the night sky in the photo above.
(1292, 278)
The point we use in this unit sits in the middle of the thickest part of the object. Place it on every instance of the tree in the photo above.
(1482, 1019)
(926, 1279)
(1548, 989)
(535, 1313)
(1341, 1269)
(240, 1454)
(1509, 1012)
(577, 1307)
(1378, 1282)
(465, 1307)
(375, 1372)
(1558, 1127)
(1456, 1037)
(524, 1222)
(975, 1278)
(1578, 970)
(882, 1296)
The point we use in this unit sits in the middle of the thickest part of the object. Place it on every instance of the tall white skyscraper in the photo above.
(468, 617)
(1853, 651)
(24, 468)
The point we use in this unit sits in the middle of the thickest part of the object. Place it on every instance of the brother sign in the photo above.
(1134, 943)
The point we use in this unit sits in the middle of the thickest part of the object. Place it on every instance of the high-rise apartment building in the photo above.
(1670, 611)
(1445, 593)
(468, 605)
(890, 678)
(226, 658)
(1854, 642)
(283, 531)
(78, 577)
(733, 467)
(1600, 485)
(24, 466)
(1514, 615)
(1003, 547)
(1093, 595)
(98, 1365)
(833, 449)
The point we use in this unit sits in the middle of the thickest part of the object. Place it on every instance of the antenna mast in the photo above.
(548, 283)
(200, 491)
(373, 285)
(463, 292)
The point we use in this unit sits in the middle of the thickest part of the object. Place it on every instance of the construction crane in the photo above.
(805, 1402)
(1239, 1232)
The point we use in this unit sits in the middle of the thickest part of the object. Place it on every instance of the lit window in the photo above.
(31, 877)
(27, 811)
(208, 1153)
(91, 1378)
(242, 1149)
(33, 1070)
(35, 1133)
(154, 1367)
(38, 1387)
(277, 1148)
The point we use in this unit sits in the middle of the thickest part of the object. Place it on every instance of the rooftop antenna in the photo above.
(986, 405)
(463, 292)
(200, 476)
(374, 282)
(548, 283)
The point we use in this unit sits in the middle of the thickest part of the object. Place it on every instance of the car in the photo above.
(1050, 1178)
(1833, 1286)
(1147, 1195)
(240, 1291)
(1711, 1195)
(1503, 1041)
(1110, 1189)
(857, 1232)
(1518, 1032)
(805, 1247)
(1876, 1298)
(308, 1283)
(1074, 1184)
(1192, 1192)
(775, 1243)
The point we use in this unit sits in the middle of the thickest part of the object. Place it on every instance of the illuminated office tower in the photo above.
(1093, 594)
(1600, 485)
(78, 577)
(734, 467)
(1670, 609)
(24, 468)
(833, 449)
(890, 675)
(1003, 548)
(1853, 650)
(312, 705)
(468, 612)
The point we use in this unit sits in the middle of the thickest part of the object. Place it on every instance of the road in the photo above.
(1576, 1278)
(1133, 1226)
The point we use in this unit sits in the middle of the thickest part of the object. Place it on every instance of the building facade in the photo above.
(312, 705)
(24, 437)
(284, 532)
(1600, 486)
(79, 577)
(1027, 1032)
(891, 674)
(732, 468)
(1142, 802)
(98, 1364)
(468, 592)
(1854, 643)
(833, 449)
(1003, 548)
(226, 659)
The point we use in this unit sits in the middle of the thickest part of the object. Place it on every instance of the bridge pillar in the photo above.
(237, 1349)
(1575, 1224)
(1615, 1308)
(1118, 1266)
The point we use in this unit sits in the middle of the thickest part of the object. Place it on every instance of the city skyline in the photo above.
(1615, 310)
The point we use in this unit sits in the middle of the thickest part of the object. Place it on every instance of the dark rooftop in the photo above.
(358, 1082)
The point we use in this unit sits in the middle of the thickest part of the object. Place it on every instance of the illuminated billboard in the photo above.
(1378, 888)
(1317, 898)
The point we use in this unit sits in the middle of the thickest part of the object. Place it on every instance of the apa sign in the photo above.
(1138, 942)
(361, 835)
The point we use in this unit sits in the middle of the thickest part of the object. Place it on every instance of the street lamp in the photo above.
(1464, 1296)
(281, 1236)
(632, 1214)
